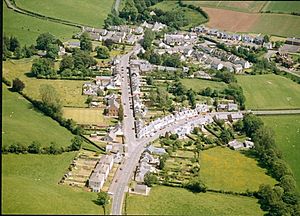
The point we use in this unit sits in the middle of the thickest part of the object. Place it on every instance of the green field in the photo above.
(177, 201)
(30, 186)
(92, 12)
(200, 84)
(282, 6)
(229, 170)
(287, 135)
(69, 90)
(21, 123)
(27, 28)
(270, 92)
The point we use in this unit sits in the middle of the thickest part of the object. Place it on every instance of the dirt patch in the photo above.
(231, 20)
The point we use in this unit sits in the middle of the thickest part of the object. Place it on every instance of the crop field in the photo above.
(69, 90)
(282, 6)
(178, 201)
(270, 92)
(229, 170)
(27, 28)
(86, 116)
(287, 136)
(200, 84)
(91, 13)
(22, 123)
(30, 186)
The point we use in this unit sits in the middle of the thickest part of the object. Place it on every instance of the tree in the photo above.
(51, 99)
(18, 85)
(102, 200)
(43, 67)
(196, 185)
(67, 62)
(44, 40)
(129, 12)
(76, 143)
(288, 183)
(27, 51)
(102, 52)
(150, 179)
(34, 147)
(225, 136)
(121, 113)
(18, 53)
(86, 42)
(14, 44)
(266, 39)
(108, 43)
(149, 80)
(52, 51)
(148, 38)
(251, 124)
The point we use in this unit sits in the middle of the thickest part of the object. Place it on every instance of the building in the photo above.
(235, 144)
(293, 41)
(155, 150)
(113, 107)
(235, 117)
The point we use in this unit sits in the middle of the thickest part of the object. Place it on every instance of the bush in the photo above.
(196, 185)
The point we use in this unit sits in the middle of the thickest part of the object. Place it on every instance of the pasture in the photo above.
(27, 28)
(22, 123)
(178, 201)
(270, 92)
(287, 136)
(90, 13)
(30, 186)
(282, 6)
(229, 170)
(200, 84)
(69, 90)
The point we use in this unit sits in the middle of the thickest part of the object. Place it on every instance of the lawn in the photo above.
(200, 84)
(21, 123)
(27, 28)
(287, 136)
(270, 92)
(91, 13)
(282, 6)
(178, 201)
(86, 116)
(229, 170)
(69, 90)
(30, 186)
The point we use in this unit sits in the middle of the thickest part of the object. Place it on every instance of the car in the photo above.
(121, 168)
(116, 180)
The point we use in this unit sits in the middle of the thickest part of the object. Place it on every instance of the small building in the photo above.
(141, 189)
(248, 144)
(235, 144)
(155, 150)
(232, 107)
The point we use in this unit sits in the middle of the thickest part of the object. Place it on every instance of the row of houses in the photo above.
(180, 38)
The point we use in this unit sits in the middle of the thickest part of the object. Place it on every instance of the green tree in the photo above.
(44, 40)
(196, 185)
(27, 51)
(225, 136)
(251, 124)
(102, 52)
(149, 80)
(18, 53)
(148, 38)
(34, 147)
(102, 200)
(52, 51)
(76, 143)
(150, 179)
(288, 183)
(50, 98)
(18, 85)
(129, 12)
(14, 44)
(86, 42)
(67, 62)
(108, 43)
(43, 67)
(266, 39)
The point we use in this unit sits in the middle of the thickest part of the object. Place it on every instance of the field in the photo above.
(199, 84)
(91, 13)
(177, 201)
(30, 186)
(229, 170)
(27, 28)
(287, 135)
(86, 116)
(21, 123)
(270, 92)
(69, 90)
(282, 6)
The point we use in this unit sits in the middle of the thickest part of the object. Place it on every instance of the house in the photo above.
(158, 26)
(238, 68)
(293, 41)
(248, 144)
(96, 181)
(235, 144)
(139, 30)
(232, 107)
(74, 44)
(155, 150)
(152, 13)
(108, 147)
(222, 107)
(113, 107)
(244, 63)
(147, 25)
(235, 116)
(62, 51)
(202, 74)
(221, 116)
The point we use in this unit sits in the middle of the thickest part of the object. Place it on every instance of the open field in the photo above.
(92, 12)
(22, 123)
(69, 90)
(243, 6)
(282, 6)
(270, 92)
(86, 116)
(178, 201)
(27, 28)
(275, 24)
(229, 170)
(200, 84)
(287, 135)
(29, 186)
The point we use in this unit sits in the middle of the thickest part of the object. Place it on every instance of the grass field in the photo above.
(86, 116)
(199, 84)
(21, 123)
(287, 135)
(229, 170)
(69, 90)
(270, 92)
(177, 201)
(27, 28)
(30, 186)
(92, 12)
(282, 6)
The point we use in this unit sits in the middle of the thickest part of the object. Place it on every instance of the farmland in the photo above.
(29, 186)
(282, 6)
(27, 28)
(22, 123)
(91, 13)
(225, 169)
(177, 201)
(270, 92)
(199, 84)
(287, 136)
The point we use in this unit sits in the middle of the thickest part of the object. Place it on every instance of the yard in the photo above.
(200, 84)
(229, 170)
(287, 136)
(90, 13)
(270, 92)
(178, 201)
(27, 28)
(30, 186)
